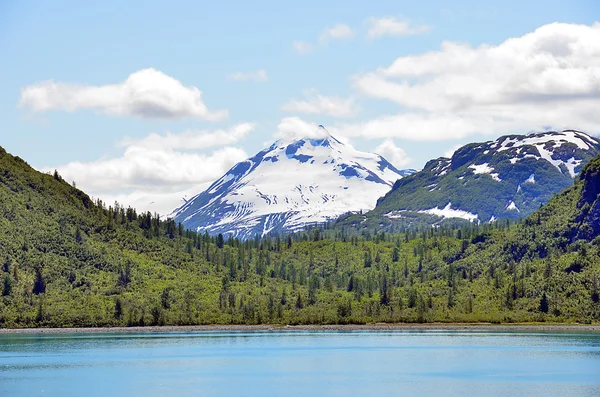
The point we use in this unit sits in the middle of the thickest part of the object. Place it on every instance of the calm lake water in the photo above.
(293, 363)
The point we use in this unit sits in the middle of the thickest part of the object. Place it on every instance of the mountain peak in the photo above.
(295, 182)
(318, 136)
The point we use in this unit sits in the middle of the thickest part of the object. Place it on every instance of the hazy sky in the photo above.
(139, 101)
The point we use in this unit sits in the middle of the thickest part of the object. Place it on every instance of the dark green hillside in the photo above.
(68, 261)
(554, 255)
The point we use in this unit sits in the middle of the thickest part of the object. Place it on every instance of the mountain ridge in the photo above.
(507, 178)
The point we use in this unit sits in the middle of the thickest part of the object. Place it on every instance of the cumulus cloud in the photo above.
(391, 26)
(141, 168)
(294, 127)
(147, 93)
(337, 32)
(154, 171)
(450, 152)
(162, 202)
(550, 77)
(421, 126)
(302, 47)
(392, 153)
(191, 139)
(316, 103)
(257, 76)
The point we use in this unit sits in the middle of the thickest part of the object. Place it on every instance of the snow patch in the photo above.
(485, 169)
(571, 164)
(541, 143)
(481, 168)
(394, 214)
(449, 212)
(531, 179)
(512, 207)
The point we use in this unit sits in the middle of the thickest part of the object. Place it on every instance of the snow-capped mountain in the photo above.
(290, 185)
(482, 182)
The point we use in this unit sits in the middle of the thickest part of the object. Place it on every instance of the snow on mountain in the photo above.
(506, 178)
(449, 212)
(485, 169)
(290, 185)
(546, 145)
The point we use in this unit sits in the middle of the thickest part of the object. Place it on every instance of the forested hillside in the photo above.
(68, 261)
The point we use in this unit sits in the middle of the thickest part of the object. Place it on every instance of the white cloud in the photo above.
(419, 126)
(392, 153)
(257, 76)
(191, 139)
(141, 168)
(295, 127)
(337, 32)
(152, 173)
(451, 151)
(391, 26)
(159, 201)
(302, 47)
(324, 105)
(550, 77)
(147, 93)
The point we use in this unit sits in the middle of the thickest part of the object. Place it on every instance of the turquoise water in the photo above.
(400, 363)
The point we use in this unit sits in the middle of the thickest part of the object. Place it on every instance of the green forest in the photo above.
(69, 261)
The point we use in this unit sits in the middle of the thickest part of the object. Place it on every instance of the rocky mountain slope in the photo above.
(290, 185)
(483, 182)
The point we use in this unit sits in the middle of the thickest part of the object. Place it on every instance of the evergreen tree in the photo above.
(384, 292)
(125, 275)
(368, 261)
(395, 255)
(351, 283)
(544, 303)
(313, 285)
(299, 304)
(7, 285)
(39, 285)
(118, 309)
(78, 236)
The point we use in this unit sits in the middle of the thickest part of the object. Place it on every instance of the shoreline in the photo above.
(334, 327)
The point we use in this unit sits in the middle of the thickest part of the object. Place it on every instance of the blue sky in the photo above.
(243, 58)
